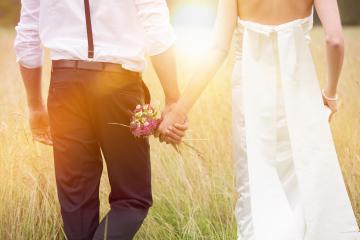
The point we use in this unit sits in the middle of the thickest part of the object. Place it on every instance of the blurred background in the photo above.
(202, 12)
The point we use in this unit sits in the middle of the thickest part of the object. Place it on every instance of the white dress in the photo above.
(289, 180)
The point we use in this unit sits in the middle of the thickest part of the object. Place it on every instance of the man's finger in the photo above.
(42, 139)
(156, 134)
(49, 139)
(47, 142)
(42, 135)
(162, 137)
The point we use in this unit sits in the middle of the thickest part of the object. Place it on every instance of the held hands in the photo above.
(39, 124)
(173, 126)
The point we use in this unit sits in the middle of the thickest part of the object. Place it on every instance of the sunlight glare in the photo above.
(193, 25)
(192, 41)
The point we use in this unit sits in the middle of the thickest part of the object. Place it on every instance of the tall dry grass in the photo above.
(194, 197)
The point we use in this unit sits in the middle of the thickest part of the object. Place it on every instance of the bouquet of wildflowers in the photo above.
(144, 121)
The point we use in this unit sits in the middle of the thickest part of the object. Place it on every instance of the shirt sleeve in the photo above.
(154, 17)
(27, 44)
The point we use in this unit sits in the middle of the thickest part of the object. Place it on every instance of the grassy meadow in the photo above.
(194, 197)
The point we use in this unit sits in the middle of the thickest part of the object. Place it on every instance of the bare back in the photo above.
(274, 12)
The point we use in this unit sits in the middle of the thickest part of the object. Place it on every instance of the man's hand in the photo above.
(178, 131)
(38, 116)
(172, 128)
(165, 67)
(39, 124)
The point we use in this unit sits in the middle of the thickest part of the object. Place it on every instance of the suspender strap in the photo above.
(89, 30)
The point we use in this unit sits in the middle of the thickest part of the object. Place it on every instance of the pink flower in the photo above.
(144, 121)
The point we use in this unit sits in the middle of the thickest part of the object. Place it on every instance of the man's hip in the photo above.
(83, 106)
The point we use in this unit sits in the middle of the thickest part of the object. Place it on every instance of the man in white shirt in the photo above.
(98, 53)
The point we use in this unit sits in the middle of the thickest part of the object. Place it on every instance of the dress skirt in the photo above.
(289, 180)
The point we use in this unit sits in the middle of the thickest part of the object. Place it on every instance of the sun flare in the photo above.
(193, 25)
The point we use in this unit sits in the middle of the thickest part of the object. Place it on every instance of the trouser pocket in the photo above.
(147, 95)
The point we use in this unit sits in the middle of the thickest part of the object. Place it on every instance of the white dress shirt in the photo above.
(124, 31)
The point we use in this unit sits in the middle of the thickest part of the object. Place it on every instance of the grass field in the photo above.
(193, 198)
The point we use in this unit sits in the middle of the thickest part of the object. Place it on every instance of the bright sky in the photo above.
(193, 13)
(193, 23)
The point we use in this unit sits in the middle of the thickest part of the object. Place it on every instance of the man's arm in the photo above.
(160, 38)
(165, 67)
(32, 82)
(38, 116)
(29, 55)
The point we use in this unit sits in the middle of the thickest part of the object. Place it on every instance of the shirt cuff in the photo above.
(30, 64)
(161, 42)
(30, 59)
(29, 52)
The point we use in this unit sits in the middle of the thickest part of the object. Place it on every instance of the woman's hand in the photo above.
(173, 127)
(330, 102)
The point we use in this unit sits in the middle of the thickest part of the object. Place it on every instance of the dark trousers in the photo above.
(82, 105)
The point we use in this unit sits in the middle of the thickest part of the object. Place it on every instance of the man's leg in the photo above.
(78, 163)
(127, 157)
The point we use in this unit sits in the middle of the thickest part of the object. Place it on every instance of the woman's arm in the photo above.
(224, 27)
(328, 12)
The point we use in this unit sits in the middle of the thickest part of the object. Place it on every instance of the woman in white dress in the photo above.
(288, 177)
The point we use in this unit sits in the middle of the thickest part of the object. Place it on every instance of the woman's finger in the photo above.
(182, 126)
(173, 136)
(171, 140)
(174, 130)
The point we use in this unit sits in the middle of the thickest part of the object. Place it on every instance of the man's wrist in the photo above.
(180, 112)
(172, 99)
(36, 104)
